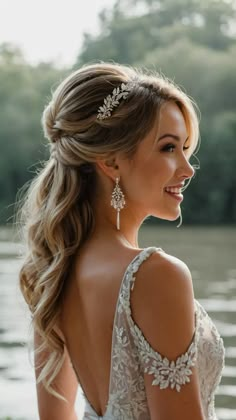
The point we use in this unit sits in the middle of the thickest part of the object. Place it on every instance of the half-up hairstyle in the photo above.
(57, 211)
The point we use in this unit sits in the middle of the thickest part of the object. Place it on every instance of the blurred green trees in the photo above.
(24, 91)
(193, 42)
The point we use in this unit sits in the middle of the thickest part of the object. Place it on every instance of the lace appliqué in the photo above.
(211, 360)
(167, 373)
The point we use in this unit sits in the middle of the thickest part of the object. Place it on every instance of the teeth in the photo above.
(173, 190)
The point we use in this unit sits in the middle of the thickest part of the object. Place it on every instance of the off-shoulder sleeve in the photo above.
(167, 373)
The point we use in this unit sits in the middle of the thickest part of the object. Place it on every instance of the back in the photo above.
(90, 301)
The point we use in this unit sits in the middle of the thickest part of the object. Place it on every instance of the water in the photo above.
(211, 256)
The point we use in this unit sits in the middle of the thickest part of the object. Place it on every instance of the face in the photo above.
(152, 181)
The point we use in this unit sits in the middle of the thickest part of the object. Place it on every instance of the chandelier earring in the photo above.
(117, 201)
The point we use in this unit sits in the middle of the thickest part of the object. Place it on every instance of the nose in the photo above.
(185, 169)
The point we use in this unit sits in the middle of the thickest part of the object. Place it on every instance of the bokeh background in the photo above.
(193, 42)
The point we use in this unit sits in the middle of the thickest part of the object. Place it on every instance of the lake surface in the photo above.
(210, 253)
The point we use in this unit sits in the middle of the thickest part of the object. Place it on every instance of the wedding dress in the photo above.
(132, 356)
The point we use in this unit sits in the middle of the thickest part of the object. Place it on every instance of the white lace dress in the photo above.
(132, 355)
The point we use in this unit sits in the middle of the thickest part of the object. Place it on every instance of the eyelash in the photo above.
(169, 146)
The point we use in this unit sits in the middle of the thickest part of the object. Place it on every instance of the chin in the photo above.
(174, 216)
(169, 219)
(170, 216)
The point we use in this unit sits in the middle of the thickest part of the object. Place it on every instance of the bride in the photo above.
(120, 321)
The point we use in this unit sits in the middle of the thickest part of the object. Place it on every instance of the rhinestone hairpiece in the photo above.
(111, 101)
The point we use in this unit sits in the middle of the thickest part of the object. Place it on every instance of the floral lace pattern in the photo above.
(132, 356)
(166, 373)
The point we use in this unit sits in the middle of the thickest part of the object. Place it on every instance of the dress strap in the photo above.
(136, 263)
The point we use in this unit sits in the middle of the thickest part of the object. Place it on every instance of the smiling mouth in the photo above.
(175, 192)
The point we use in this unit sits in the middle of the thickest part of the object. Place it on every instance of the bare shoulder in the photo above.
(165, 264)
(162, 304)
(163, 301)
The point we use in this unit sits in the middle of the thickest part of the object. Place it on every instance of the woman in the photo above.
(119, 320)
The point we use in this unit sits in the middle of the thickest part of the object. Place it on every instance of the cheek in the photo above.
(148, 177)
(156, 172)
(143, 182)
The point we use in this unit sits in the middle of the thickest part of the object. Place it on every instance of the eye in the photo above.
(168, 148)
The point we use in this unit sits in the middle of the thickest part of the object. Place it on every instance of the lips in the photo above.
(173, 190)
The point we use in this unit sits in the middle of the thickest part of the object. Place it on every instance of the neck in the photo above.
(130, 222)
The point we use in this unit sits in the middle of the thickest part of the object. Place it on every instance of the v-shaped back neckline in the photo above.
(138, 255)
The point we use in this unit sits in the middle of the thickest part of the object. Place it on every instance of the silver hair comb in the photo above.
(111, 101)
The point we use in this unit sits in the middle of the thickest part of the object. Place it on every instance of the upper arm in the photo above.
(66, 384)
(162, 305)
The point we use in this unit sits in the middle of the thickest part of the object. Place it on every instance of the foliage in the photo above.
(23, 93)
(134, 27)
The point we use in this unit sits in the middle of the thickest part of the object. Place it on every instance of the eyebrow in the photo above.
(177, 138)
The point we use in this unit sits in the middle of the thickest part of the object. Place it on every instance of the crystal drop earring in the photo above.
(117, 201)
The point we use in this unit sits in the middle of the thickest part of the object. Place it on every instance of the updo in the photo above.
(70, 119)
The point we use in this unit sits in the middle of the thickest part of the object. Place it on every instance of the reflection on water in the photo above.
(209, 253)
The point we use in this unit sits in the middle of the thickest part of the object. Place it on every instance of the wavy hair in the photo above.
(56, 216)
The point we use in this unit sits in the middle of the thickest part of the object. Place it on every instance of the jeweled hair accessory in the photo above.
(111, 101)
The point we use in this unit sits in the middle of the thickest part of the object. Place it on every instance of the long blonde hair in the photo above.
(57, 213)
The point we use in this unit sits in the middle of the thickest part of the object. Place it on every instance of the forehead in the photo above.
(171, 120)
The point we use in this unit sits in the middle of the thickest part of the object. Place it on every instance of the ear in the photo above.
(109, 167)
